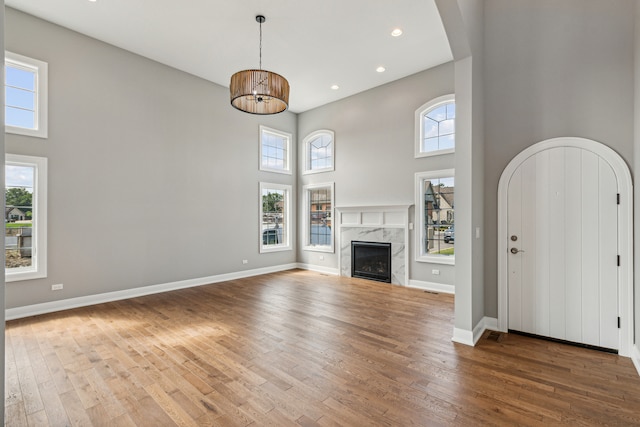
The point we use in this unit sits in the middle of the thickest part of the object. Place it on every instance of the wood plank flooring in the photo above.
(299, 348)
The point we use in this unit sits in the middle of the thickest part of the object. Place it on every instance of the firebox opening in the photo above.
(371, 260)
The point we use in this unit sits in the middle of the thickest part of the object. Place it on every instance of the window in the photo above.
(25, 95)
(25, 217)
(435, 127)
(275, 153)
(318, 217)
(319, 151)
(435, 209)
(275, 217)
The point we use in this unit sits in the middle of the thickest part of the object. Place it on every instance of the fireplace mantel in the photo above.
(379, 223)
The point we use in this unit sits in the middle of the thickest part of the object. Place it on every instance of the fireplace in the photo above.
(371, 260)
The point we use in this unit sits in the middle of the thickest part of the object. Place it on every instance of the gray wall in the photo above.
(153, 177)
(375, 162)
(552, 68)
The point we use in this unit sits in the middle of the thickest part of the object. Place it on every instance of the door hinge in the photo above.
(618, 260)
(618, 198)
(618, 323)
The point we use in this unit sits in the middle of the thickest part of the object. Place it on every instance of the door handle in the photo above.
(516, 250)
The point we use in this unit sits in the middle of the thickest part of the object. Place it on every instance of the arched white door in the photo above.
(562, 242)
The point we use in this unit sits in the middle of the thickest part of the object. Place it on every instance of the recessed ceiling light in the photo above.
(381, 69)
(396, 33)
(93, 1)
(335, 87)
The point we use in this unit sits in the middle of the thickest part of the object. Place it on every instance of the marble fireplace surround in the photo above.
(387, 224)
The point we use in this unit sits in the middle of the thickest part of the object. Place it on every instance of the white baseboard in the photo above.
(432, 286)
(463, 336)
(66, 304)
(471, 338)
(635, 357)
(319, 269)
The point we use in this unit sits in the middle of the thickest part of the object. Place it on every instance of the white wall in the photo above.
(153, 177)
(375, 162)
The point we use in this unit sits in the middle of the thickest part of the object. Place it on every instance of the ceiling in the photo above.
(313, 44)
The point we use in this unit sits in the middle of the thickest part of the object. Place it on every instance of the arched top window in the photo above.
(319, 148)
(435, 127)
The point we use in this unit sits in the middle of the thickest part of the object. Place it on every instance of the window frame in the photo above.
(419, 128)
(420, 230)
(307, 218)
(306, 142)
(38, 269)
(41, 70)
(287, 136)
(285, 246)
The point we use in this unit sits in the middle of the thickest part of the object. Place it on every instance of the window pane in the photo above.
(274, 150)
(19, 118)
(20, 78)
(439, 206)
(273, 217)
(20, 98)
(438, 128)
(320, 152)
(451, 111)
(430, 128)
(320, 217)
(430, 144)
(438, 114)
(448, 141)
(19, 216)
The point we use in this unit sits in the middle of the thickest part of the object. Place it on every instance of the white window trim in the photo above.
(420, 230)
(307, 152)
(287, 160)
(41, 69)
(419, 129)
(286, 246)
(39, 269)
(307, 245)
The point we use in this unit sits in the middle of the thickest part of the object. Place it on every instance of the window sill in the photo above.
(437, 259)
(434, 153)
(326, 249)
(265, 250)
(16, 276)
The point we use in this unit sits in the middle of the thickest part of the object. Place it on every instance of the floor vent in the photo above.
(495, 336)
(431, 292)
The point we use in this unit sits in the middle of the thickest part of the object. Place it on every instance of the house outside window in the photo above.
(25, 95)
(275, 151)
(435, 127)
(319, 148)
(435, 215)
(275, 215)
(318, 227)
(25, 217)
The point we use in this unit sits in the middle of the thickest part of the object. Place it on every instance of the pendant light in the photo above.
(259, 91)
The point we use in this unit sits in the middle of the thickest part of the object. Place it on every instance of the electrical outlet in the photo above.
(57, 287)
(245, 261)
(321, 257)
(435, 272)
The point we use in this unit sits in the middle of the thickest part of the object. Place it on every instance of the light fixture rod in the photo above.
(260, 19)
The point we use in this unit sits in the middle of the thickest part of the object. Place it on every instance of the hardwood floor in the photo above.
(299, 348)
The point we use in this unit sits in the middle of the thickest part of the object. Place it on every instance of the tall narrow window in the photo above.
(275, 150)
(435, 127)
(25, 217)
(275, 228)
(319, 151)
(25, 95)
(318, 217)
(435, 215)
